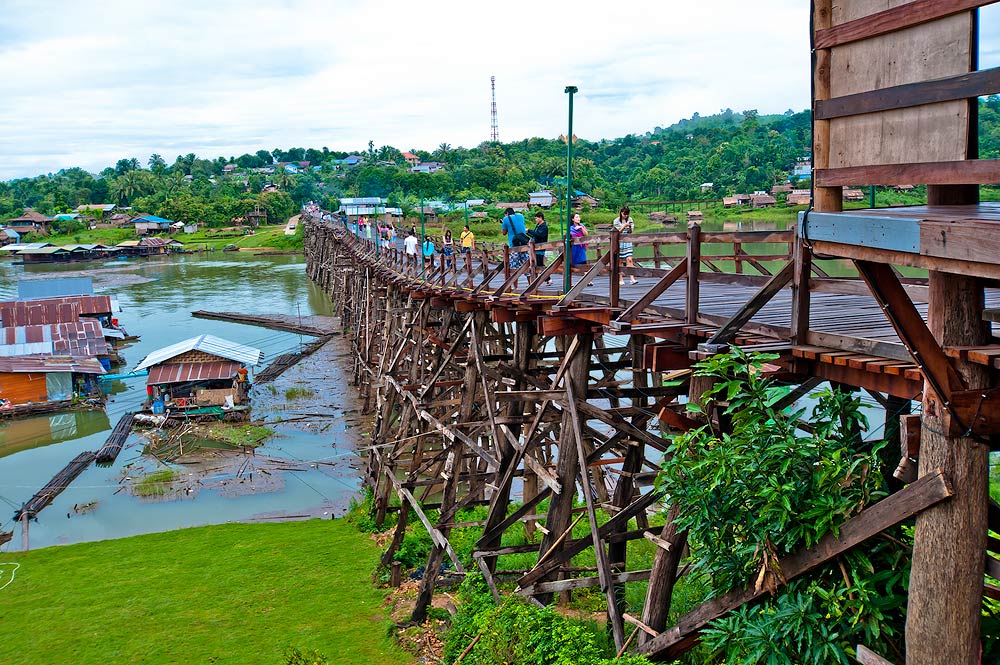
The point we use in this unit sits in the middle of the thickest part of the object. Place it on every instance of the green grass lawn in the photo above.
(233, 593)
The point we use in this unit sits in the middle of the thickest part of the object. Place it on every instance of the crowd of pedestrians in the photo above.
(519, 238)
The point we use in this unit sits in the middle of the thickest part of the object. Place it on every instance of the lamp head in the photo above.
(571, 89)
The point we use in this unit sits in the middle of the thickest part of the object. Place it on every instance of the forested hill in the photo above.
(738, 152)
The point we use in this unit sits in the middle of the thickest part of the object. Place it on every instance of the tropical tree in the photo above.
(157, 164)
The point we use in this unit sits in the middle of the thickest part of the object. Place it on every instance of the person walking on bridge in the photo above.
(410, 248)
(513, 225)
(624, 224)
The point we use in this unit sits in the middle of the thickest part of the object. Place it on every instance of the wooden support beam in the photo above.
(868, 657)
(924, 493)
(910, 326)
(615, 524)
(636, 308)
(603, 565)
(728, 331)
(584, 282)
(574, 583)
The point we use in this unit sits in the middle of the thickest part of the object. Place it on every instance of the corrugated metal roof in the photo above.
(52, 310)
(211, 344)
(45, 364)
(37, 312)
(78, 338)
(182, 372)
(44, 250)
(34, 289)
(27, 349)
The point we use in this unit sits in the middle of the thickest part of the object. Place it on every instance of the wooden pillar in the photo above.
(825, 199)
(800, 290)
(634, 456)
(436, 555)
(693, 271)
(557, 521)
(946, 577)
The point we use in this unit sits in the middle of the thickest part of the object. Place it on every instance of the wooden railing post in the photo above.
(693, 271)
(506, 262)
(737, 261)
(800, 291)
(615, 272)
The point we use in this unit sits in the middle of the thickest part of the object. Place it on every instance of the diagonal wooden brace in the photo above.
(914, 333)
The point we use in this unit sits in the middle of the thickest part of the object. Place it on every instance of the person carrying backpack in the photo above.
(517, 238)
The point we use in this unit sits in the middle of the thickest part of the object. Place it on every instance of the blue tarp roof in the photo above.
(153, 219)
(34, 289)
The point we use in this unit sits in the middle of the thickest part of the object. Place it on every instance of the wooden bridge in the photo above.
(491, 385)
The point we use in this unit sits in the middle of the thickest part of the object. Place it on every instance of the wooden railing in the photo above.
(762, 261)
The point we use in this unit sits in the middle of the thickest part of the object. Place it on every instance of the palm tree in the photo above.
(156, 163)
(282, 179)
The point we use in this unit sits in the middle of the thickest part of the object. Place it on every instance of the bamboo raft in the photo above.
(59, 482)
(116, 440)
(273, 322)
(288, 360)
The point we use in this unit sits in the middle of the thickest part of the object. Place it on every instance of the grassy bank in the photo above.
(266, 237)
(233, 593)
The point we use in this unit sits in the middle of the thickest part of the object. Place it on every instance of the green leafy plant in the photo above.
(516, 633)
(763, 489)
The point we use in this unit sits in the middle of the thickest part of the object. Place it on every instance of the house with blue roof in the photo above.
(145, 224)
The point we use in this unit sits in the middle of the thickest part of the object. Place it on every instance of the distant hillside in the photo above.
(722, 119)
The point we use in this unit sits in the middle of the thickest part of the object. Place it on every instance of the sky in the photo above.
(86, 84)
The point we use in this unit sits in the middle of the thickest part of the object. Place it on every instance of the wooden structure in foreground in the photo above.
(488, 386)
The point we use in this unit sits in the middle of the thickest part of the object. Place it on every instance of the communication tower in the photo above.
(494, 135)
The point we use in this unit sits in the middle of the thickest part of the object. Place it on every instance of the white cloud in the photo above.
(231, 77)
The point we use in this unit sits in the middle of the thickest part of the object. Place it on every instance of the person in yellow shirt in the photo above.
(468, 240)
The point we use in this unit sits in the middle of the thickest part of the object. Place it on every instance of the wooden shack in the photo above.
(39, 382)
(203, 375)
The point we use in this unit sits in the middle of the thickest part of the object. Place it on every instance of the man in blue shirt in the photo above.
(513, 225)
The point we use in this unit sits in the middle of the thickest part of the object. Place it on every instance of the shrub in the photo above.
(765, 490)
(516, 633)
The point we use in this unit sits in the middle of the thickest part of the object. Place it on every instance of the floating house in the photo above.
(35, 383)
(201, 376)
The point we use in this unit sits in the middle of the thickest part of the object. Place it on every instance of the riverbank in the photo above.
(233, 593)
(264, 239)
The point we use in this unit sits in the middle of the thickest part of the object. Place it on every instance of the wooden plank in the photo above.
(558, 586)
(897, 258)
(927, 491)
(890, 20)
(868, 657)
(963, 86)
(956, 172)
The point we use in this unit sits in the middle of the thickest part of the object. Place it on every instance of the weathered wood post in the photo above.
(949, 549)
(691, 302)
(557, 521)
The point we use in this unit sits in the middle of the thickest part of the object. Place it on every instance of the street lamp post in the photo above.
(570, 90)
(423, 264)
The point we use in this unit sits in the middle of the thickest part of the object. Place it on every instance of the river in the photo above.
(308, 468)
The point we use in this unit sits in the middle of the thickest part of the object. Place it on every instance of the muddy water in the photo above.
(307, 468)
